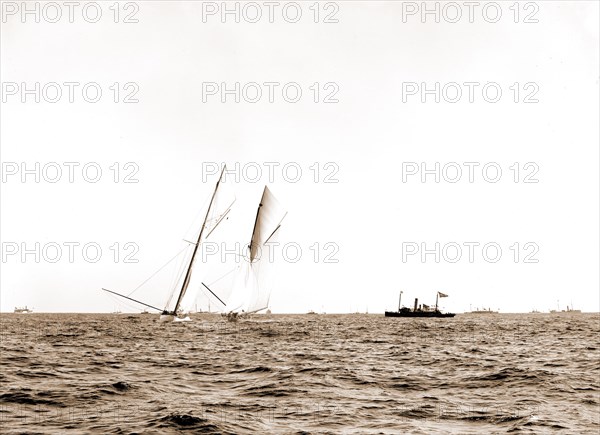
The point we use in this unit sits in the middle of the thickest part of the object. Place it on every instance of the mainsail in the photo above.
(251, 289)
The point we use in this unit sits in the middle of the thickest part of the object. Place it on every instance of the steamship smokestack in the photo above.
(416, 302)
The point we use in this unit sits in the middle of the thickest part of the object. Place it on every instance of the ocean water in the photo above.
(473, 374)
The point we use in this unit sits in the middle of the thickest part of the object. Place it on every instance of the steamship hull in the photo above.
(417, 314)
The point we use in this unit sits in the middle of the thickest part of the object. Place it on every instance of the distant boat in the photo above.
(419, 310)
(311, 312)
(569, 310)
(23, 310)
(488, 311)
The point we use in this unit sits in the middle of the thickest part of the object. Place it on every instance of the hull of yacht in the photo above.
(165, 318)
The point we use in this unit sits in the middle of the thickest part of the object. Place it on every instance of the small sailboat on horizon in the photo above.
(23, 310)
(481, 311)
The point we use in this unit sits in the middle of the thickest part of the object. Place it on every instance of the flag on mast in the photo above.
(442, 295)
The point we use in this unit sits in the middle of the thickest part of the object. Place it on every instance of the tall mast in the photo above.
(188, 274)
(399, 301)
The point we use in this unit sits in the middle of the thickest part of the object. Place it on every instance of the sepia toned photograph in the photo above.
(300, 217)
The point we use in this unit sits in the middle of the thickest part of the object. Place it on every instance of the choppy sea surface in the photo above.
(473, 374)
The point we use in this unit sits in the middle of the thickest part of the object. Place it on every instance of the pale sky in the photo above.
(368, 58)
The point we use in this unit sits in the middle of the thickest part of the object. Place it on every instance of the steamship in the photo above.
(419, 310)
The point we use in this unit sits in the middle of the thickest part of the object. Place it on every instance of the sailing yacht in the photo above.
(250, 291)
(173, 314)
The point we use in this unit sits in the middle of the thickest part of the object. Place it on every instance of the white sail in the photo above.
(218, 256)
(208, 264)
(251, 290)
(268, 218)
(189, 301)
(243, 288)
(218, 209)
(262, 270)
(219, 212)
